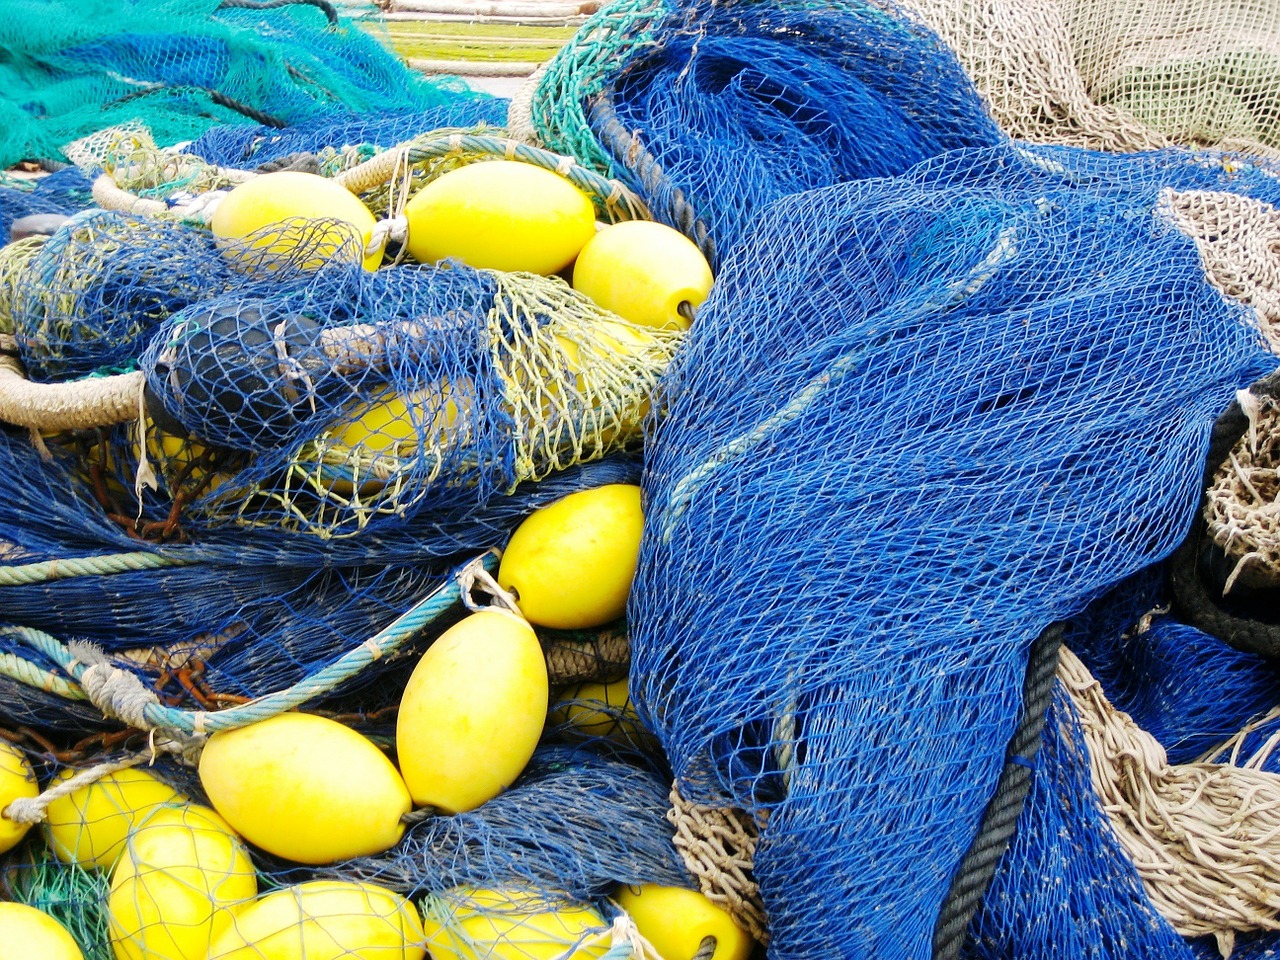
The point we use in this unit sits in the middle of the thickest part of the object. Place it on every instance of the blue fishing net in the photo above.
(575, 822)
(247, 147)
(64, 192)
(972, 400)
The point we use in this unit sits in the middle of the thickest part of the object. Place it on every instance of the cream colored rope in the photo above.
(77, 405)
(1242, 504)
(1204, 837)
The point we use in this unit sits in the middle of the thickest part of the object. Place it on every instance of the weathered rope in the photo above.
(1204, 837)
(1000, 819)
(75, 405)
(35, 809)
(70, 567)
(520, 112)
(612, 198)
(118, 692)
(718, 846)
(628, 150)
(582, 656)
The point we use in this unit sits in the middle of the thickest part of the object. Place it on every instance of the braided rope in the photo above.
(35, 809)
(585, 656)
(1000, 819)
(75, 405)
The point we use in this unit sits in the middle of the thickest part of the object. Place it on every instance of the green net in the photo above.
(73, 67)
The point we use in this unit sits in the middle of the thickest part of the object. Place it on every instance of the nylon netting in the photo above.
(956, 414)
(1116, 75)
(183, 67)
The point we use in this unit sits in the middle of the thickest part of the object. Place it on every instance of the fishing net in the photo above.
(788, 96)
(1114, 75)
(182, 68)
(975, 398)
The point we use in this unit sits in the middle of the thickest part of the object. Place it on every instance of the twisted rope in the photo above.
(36, 809)
(627, 149)
(70, 567)
(583, 656)
(612, 198)
(1000, 819)
(119, 693)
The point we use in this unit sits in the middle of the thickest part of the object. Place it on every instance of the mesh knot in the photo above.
(718, 846)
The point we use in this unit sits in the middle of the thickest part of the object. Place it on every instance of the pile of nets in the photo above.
(182, 67)
(916, 483)
(975, 398)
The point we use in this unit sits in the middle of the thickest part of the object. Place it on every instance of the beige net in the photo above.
(1242, 512)
(1123, 74)
(1204, 837)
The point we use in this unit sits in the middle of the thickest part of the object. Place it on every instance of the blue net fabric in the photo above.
(971, 400)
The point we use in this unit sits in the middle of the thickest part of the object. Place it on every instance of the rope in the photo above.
(600, 655)
(65, 569)
(612, 198)
(1000, 819)
(520, 111)
(75, 405)
(115, 691)
(1190, 597)
(35, 809)
(322, 5)
(630, 152)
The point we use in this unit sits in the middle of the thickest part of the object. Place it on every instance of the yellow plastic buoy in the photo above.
(571, 563)
(89, 825)
(500, 215)
(676, 921)
(472, 712)
(32, 934)
(305, 788)
(17, 781)
(182, 876)
(324, 920)
(280, 200)
(512, 924)
(645, 272)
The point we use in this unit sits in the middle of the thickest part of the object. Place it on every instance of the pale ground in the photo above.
(498, 86)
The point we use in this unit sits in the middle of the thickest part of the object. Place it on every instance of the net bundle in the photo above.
(974, 399)
(789, 96)
(183, 68)
(1117, 75)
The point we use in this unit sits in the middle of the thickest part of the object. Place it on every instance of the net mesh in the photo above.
(182, 68)
(931, 360)
(1115, 75)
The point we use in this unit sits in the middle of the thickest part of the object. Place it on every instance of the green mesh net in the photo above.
(74, 67)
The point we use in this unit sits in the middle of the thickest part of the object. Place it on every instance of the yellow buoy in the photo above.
(182, 876)
(512, 924)
(17, 781)
(32, 934)
(571, 563)
(645, 272)
(280, 200)
(89, 825)
(305, 788)
(324, 920)
(472, 712)
(676, 921)
(500, 215)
